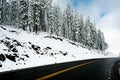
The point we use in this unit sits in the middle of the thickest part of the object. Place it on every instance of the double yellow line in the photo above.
(64, 70)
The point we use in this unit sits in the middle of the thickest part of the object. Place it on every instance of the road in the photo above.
(94, 69)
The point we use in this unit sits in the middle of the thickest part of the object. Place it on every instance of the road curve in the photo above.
(94, 69)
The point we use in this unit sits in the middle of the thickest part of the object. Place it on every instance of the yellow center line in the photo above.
(64, 70)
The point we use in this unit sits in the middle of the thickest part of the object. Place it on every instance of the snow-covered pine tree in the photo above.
(30, 18)
(1, 12)
(36, 16)
(23, 15)
(99, 40)
(5, 12)
(75, 30)
(42, 15)
(60, 22)
(83, 34)
(14, 12)
(105, 46)
(87, 32)
(62, 32)
(102, 43)
(7, 20)
(68, 21)
(93, 42)
(48, 11)
(80, 28)
(56, 20)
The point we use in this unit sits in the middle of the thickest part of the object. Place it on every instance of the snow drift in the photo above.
(21, 49)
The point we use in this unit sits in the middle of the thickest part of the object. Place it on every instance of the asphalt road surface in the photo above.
(95, 69)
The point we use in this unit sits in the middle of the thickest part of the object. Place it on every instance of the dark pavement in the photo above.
(94, 69)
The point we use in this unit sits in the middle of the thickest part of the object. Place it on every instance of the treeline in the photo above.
(40, 15)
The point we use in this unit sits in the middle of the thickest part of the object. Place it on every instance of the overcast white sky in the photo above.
(106, 14)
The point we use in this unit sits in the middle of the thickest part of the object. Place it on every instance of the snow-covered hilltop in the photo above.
(21, 49)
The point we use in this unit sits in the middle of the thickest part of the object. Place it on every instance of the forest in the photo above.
(41, 16)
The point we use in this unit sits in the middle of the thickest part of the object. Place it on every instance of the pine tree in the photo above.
(93, 34)
(99, 42)
(68, 14)
(102, 44)
(30, 17)
(14, 12)
(56, 20)
(75, 30)
(62, 33)
(23, 15)
(1, 12)
(49, 16)
(36, 16)
(80, 28)
(87, 32)
(42, 15)
(7, 20)
(5, 12)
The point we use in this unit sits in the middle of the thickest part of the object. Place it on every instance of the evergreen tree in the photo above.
(56, 20)
(63, 25)
(36, 16)
(5, 12)
(23, 15)
(68, 21)
(80, 28)
(1, 12)
(75, 30)
(42, 15)
(87, 32)
(14, 12)
(30, 17)
(101, 41)
(49, 16)
(7, 20)
(93, 34)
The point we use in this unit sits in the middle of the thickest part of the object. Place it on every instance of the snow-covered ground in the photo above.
(20, 49)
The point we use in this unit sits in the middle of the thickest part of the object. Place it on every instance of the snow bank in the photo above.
(20, 49)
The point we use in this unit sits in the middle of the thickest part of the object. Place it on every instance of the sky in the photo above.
(106, 14)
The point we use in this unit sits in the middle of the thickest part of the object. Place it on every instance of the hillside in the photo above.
(21, 49)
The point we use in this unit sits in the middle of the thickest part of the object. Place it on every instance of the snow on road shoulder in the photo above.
(20, 49)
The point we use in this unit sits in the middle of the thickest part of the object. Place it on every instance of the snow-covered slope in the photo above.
(20, 49)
